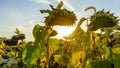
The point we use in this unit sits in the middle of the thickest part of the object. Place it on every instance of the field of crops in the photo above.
(80, 49)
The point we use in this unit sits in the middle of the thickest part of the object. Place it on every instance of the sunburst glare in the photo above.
(64, 31)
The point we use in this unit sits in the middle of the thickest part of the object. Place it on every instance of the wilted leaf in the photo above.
(17, 31)
(54, 43)
(62, 59)
(81, 21)
(107, 54)
(59, 5)
(91, 7)
(54, 33)
(76, 33)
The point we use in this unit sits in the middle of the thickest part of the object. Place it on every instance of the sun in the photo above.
(64, 31)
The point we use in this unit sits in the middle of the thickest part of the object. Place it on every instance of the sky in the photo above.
(24, 14)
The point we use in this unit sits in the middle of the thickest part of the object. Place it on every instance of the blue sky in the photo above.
(24, 14)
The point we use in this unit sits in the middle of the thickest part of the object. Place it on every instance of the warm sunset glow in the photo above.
(64, 31)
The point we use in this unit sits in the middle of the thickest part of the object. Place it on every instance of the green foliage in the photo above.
(19, 36)
(31, 54)
(62, 59)
(40, 34)
(54, 44)
(116, 57)
(78, 50)
(99, 64)
(33, 51)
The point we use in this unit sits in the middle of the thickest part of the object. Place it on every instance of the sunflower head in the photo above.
(102, 19)
(58, 16)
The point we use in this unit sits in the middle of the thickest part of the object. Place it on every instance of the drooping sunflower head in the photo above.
(58, 16)
(102, 19)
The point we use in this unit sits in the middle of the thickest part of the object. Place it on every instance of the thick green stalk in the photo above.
(47, 53)
(112, 65)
